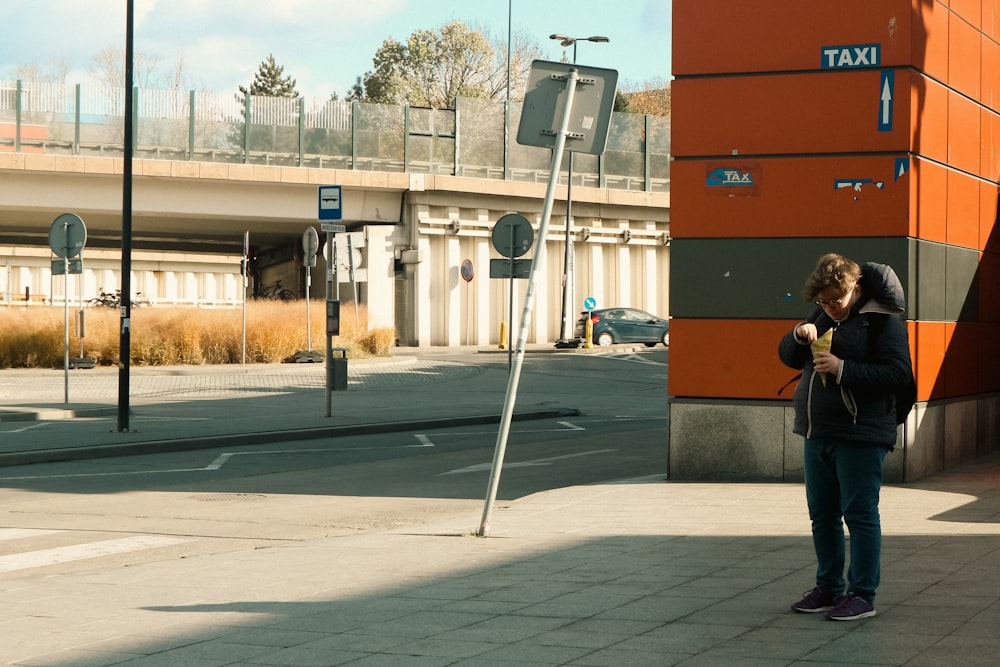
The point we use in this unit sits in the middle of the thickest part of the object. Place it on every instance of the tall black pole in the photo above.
(125, 340)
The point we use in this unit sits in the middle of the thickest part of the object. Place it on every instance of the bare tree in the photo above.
(108, 68)
(433, 67)
(523, 50)
(55, 72)
(653, 98)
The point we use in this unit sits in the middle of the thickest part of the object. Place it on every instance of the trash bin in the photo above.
(336, 370)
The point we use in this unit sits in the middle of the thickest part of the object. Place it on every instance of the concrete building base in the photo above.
(752, 441)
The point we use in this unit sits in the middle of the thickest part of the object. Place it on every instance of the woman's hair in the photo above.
(832, 270)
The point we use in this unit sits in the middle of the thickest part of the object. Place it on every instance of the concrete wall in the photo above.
(868, 129)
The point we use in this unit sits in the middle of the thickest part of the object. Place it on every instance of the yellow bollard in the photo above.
(588, 333)
(503, 335)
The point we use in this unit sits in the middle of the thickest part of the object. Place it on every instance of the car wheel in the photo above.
(666, 338)
(605, 339)
(648, 344)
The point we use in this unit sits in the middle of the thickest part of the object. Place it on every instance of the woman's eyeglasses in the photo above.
(824, 303)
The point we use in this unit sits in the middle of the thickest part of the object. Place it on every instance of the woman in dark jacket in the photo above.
(845, 409)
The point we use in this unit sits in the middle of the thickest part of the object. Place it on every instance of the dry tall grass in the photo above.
(275, 331)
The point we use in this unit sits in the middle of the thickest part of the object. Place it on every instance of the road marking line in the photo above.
(424, 440)
(638, 359)
(18, 533)
(479, 467)
(572, 427)
(567, 426)
(217, 464)
(27, 428)
(58, 555)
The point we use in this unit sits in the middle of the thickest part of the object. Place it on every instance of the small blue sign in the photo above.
(902, 166)
(856, 183)
(850, 56)
(730, 177)
(330, 207)
(885, 90)
(589, 303)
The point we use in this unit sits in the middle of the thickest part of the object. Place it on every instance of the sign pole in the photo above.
(310, 246)
(510, 306)
(330, 208)
(539, 257)
(244, 276)
(65, 260)
(67, 236)
(330, 259)
(350, 273)
(467, 274)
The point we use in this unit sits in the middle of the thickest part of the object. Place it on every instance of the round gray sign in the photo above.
(512, 235)
(67, 235)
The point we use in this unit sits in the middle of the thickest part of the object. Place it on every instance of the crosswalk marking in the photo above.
(66, 554)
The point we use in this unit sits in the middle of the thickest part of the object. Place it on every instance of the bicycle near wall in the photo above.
(272, 291)
(114, 300)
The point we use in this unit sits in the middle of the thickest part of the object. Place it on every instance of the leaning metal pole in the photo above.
(529, 300)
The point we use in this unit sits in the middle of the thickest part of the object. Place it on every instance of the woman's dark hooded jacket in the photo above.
(859, 404)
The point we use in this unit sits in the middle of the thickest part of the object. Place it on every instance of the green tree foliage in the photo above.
(621, 102)
(269, 81)
(434, 67)
(653, 98)
(269, 118)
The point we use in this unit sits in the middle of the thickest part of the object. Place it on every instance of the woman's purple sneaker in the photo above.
(851, 608)
(815, 601)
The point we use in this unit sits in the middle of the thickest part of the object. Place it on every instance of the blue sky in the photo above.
(323, 44)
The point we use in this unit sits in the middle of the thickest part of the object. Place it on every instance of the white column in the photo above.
(597, 274)
(423, 303)
(624, 297)
(381, 285)
(452, 292)
(540, 318)
(170, 285)
(210, 293)
(652, 276)
(191, 288)
(481, 303)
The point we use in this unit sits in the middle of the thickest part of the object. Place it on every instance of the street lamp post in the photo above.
(565, 331)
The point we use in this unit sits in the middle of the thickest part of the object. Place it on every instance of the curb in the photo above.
(54, 413)
(8, 459)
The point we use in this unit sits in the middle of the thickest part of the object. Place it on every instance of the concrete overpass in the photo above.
(189, 220)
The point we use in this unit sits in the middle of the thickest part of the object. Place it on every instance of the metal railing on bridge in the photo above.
(473, 139)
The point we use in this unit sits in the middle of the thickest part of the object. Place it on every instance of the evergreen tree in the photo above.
(269, 81)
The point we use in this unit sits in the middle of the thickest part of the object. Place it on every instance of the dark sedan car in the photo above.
(624, 325)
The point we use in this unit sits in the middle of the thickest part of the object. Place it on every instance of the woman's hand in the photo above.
(824, 362)
(806, 332)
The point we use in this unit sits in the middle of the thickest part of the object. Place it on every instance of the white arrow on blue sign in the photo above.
(885, 87)
(589, 303)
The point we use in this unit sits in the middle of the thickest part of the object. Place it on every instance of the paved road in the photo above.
(639, 572)
(186, 407)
